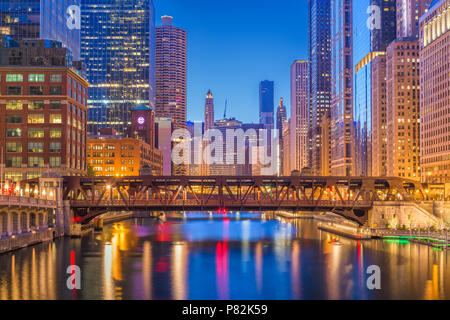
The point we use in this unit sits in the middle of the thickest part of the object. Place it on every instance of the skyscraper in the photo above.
(320, 73)
(209, 111)
(402, 111)
(378, 116)
(341, 88)
(300, 115)
(281, 114)
(266, 104)
(171, 70)
(408, 14)
(40, 19)
(118, 49)
(281, 118)
(372, 33)
(435, 93)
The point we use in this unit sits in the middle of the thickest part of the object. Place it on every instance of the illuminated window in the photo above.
(13, 132)
(55, 162)
(13, 162)
(36, 77)
(36, 105)
(13, 147)
(55, 133)
(14, 105)
(35, 118)
(56, 118)
(36, 147)
(35, 162)
(35, 133)
(14, 77)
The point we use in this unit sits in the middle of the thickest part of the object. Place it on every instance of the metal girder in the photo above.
(152, 193)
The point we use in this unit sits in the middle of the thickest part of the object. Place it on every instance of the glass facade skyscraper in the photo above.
(369, 41)
(266, 104)
(320, 73)
(118, 38)
(40, 19)
(341, 88)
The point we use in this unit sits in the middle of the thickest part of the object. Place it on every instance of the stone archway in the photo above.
(15, 222)
(3, 224)
(24, 222)
(33, 221)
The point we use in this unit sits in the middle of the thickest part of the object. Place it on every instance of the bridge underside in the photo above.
(349, 197)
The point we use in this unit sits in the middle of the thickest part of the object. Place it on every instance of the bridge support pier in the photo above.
(9, 223)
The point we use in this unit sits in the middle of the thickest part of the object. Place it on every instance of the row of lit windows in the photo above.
(55, 118)
(33, 162)
(33, 105)
(32, 77)
(35, 147)
(34, 133)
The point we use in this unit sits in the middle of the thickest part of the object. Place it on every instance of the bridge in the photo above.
(350, 197)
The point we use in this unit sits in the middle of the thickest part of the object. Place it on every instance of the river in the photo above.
(237, 256)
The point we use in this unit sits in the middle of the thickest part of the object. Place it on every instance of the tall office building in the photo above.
(300, 115)
(41, 19)
(378, 116)
(266, 104)
(435, 93)
(372, 33)
(341, 88)
(209, 111)
(320, 73)
(118, 49)
(281, 119)
(408, 14)
(281, 115)
(171, 70)
(402, 109)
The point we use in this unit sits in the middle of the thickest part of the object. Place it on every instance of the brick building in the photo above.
(42, 110)
(110, 155)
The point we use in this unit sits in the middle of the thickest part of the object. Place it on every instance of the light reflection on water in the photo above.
(237, 257)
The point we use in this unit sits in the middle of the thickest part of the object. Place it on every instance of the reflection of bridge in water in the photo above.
(351, 197)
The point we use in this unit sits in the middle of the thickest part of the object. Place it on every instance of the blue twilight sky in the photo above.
(233, 45)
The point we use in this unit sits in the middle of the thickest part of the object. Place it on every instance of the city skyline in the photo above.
(251, 51)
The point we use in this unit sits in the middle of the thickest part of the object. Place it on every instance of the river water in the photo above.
(240, 256)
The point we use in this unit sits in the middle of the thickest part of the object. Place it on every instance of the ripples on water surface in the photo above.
(246, 256)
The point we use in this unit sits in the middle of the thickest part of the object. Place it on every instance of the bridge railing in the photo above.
(25, 201)
(216, 202)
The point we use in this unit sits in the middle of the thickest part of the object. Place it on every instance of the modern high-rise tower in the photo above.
(372, 33)
(266, 104)
(341, 88)
(41, 19)
(171, 70)
(281, 119)
(118, 49)
(300, 115)
(281, 115)
(209, 111)
(408, 14)
(320, 73)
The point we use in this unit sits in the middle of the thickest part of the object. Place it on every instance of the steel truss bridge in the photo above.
(350, 197)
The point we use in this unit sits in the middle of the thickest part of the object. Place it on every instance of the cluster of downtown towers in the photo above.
(355, 101)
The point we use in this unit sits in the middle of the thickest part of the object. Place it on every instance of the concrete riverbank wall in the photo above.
(24, 240)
